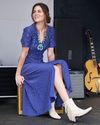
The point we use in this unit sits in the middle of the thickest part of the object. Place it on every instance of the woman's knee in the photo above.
(64, 64)
(61, 61)
(58, 70)
(55, 67)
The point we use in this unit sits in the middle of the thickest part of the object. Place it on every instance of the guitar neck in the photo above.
(93, 54)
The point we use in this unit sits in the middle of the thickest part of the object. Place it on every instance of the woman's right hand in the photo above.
(18, 77)
(19, 80)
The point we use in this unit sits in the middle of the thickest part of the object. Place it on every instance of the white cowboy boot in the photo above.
(52, 112)
(74, 111)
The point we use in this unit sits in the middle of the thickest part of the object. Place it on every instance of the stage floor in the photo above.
(8, 114)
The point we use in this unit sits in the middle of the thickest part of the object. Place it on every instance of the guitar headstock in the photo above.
(88, 33)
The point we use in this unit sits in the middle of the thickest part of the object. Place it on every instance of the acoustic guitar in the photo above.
(92, 75)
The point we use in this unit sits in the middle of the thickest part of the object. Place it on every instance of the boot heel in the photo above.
(71, 116)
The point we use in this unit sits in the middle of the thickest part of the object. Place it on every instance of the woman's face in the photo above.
(38, 15)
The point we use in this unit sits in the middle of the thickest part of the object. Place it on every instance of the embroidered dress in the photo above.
(38, 89)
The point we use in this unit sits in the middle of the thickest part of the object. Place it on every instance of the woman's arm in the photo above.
(19, 79)
(50, 54)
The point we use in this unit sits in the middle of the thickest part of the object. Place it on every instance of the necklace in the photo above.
(40, 42)
(40, 46)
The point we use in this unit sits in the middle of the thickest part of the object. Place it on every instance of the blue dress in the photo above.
(38, 89)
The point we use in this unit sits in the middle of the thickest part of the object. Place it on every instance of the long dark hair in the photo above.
(45, 10)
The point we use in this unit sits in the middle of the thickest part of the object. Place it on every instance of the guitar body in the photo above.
(92, 77)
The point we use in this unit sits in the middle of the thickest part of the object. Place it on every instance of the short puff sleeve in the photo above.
(26, 38)
(52, 38)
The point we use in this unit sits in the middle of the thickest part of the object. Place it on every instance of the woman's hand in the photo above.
(19, 80)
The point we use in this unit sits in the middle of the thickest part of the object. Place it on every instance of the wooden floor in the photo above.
(8, 114)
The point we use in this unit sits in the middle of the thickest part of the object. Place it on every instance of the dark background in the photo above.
(87, 11)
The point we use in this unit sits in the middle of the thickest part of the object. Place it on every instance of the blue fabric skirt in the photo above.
(38, 88)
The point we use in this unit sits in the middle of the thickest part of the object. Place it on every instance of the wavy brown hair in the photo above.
(45, 10)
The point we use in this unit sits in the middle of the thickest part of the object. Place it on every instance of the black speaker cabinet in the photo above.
(77, 80)
(8, 86)
(68, 39)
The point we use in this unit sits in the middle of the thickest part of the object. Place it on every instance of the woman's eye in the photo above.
(34, 11)
(39, 11)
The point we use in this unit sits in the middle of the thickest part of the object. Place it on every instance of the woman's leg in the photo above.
(60, 88)
(70, 107)
(52, 111)
(59, 84)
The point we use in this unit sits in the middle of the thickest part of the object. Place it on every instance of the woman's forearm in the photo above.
(51, 57)
(50, 54)
(21, 62)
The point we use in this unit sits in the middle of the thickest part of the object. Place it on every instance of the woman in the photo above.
(44, 83)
